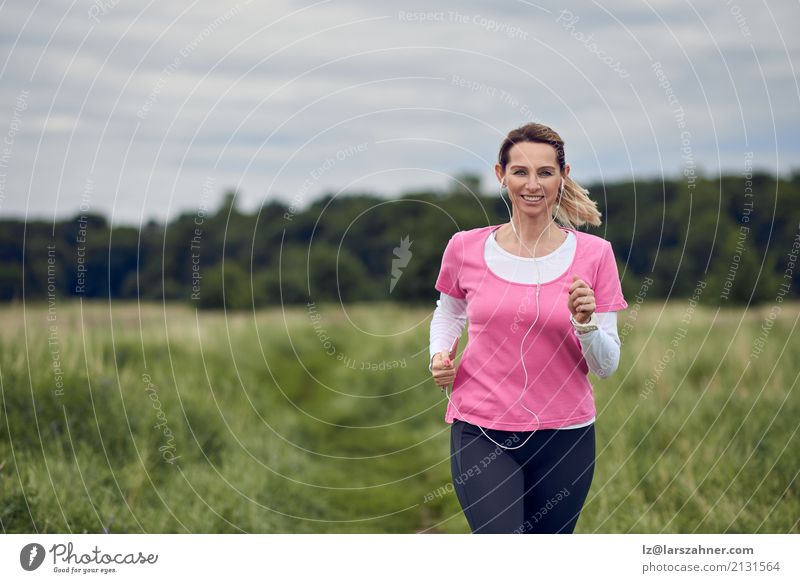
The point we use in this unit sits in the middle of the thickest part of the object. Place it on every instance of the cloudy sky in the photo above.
(142, 111)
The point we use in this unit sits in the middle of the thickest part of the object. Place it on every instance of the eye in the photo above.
(519, 172)
(546, 173)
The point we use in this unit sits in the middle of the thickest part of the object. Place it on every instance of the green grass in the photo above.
(276, 433)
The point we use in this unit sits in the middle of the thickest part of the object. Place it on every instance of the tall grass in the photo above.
(285, 421)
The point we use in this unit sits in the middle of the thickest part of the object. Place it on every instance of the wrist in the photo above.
(584, 327)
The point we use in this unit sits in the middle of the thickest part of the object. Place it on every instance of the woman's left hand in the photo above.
(581, 300)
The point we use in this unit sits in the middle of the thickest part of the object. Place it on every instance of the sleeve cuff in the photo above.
(585, 335)
(454, 291)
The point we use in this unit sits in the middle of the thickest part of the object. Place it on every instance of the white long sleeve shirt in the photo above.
(600, 347)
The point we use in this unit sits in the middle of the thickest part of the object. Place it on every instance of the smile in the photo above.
(532, 198)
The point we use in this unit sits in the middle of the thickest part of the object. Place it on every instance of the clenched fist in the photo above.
(443, 369)
(581, 300)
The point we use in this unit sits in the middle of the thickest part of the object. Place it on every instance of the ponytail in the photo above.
(575, 207)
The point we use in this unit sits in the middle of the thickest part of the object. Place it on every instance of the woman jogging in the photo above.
(540, 298)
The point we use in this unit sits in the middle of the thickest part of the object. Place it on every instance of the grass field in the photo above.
(126, 418)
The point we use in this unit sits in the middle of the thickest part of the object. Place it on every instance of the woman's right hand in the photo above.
(443, 369)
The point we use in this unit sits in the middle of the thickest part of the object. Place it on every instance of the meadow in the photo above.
(119, 417)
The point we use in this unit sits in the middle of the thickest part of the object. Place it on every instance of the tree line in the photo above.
(738, 234)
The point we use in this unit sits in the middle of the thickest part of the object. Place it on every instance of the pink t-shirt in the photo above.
(490, 377)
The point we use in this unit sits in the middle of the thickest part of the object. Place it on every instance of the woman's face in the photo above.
(532, 171)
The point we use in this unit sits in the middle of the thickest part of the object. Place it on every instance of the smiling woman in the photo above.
(531, 394)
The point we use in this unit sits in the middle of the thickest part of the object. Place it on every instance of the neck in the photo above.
(533, 232)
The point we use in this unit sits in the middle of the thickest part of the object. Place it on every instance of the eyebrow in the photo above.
(543, 167)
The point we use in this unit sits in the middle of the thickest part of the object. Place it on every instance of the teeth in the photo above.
(532, 198)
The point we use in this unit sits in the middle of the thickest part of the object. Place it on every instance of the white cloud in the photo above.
(235, 87)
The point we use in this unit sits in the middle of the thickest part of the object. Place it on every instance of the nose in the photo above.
(533, 183)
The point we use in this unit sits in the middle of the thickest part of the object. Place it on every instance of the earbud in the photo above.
(558, 202)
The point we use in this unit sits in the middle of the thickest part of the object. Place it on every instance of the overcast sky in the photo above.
(143, 111)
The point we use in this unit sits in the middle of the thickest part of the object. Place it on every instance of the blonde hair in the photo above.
(575, 207)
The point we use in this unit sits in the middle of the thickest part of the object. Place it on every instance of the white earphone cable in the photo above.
(522, 360)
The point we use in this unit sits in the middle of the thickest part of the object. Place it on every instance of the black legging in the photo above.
(537, 488)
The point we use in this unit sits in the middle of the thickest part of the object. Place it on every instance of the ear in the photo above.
(498, 170)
